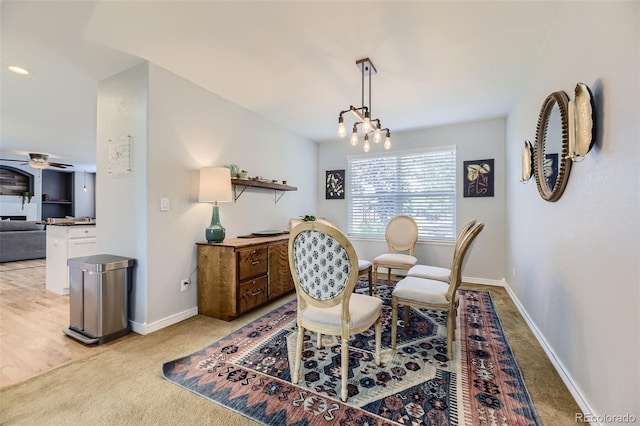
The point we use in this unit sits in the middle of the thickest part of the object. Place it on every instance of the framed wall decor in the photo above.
(478, 178)
(120, 155)
(334, 185)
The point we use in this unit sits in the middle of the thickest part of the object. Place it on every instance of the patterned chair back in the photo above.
(323, 264)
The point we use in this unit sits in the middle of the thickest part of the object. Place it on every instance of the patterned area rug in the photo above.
(248, 371)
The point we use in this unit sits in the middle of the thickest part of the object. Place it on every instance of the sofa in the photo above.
(22, 240)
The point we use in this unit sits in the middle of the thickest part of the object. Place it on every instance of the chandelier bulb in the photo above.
(354, 138)
(366, 146)
(377, 135)
(342, 131)
(387, 141)
(366, 124)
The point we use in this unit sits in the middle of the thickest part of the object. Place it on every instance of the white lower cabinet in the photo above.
(64, 242)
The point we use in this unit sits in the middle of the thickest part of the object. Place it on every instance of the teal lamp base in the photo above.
(215, 232)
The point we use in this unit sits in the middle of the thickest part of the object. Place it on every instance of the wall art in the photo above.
(334, 185)
(478, 178)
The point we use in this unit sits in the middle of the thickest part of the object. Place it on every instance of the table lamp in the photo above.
(215, 187)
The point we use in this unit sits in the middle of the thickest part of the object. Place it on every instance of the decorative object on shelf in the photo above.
(120, 155)
(243, 174)
(215, 187)
(552, 163)
(582, 137)
(526, 162)
(234, 169)
(368, 125)
(478, 180)
(334, 185)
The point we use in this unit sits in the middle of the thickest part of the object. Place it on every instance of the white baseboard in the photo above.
(484, 281)
(144, 328)
(559, 367)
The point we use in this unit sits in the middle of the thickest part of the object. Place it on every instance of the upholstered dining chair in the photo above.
(324, 266)
(437, 272)
(365, 267)
(433, 294)
(401, 234)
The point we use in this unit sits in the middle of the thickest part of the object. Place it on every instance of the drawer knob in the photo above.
(256, 293)
(255, 262)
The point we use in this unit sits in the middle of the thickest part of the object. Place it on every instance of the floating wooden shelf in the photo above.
(246, 183)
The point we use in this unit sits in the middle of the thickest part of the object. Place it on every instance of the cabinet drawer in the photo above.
(252, 262)
(253, 293)
(82, 231)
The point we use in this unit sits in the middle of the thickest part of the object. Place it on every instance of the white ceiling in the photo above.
(292, 62)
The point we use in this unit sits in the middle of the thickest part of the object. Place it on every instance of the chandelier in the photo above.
(368, 126)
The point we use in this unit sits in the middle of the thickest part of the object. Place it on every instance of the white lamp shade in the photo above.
(215, 185)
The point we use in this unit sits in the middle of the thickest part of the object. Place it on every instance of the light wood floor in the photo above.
(31, 323)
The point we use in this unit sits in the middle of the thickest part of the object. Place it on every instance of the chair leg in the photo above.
(406, 315)
(344, 368)
(388, 276)
(451, 332)
(394, 321)
(296, 368)
(375, 278)
(378, 339)
(320, 346)
(370, 283)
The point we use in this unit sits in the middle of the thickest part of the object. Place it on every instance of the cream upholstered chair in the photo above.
(433, 294)
(401, 234)
(324, 266)
(364, 266)
(436, 272)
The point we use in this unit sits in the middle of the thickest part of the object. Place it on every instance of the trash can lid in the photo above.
(101, 262)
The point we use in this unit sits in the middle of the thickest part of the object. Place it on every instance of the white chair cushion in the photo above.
(398, 259)
(364, 310)
(430, 272)
(363, 264)
(422, 290)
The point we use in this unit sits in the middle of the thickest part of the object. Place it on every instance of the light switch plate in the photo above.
(164, 204)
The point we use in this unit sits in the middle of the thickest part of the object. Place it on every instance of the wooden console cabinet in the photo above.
(240, 274)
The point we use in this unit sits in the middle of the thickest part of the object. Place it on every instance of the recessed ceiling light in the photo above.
(19, 70)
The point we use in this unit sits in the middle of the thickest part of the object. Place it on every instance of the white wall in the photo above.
(188, 128)
(474, 141)
(576, 260)
(121, 199)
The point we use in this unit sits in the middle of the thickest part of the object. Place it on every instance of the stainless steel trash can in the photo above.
(99, 288)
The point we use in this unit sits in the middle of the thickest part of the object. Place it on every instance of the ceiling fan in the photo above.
(39, 161)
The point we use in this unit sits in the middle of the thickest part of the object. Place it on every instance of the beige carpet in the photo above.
(124, 385)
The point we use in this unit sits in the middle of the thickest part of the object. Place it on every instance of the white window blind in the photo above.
(420, 184)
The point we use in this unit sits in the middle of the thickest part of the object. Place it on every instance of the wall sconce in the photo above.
(215, 187)
(582, 123)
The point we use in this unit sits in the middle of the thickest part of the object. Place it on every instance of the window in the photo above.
(420, 184)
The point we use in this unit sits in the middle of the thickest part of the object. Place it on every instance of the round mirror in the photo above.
(551, 162)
